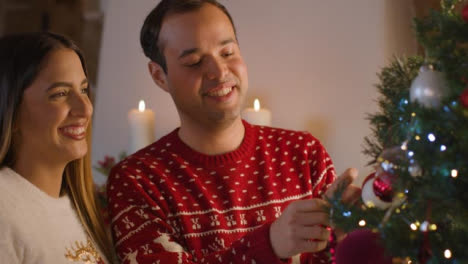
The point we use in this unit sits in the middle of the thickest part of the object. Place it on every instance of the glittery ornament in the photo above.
(464, 98)
(428, 88)
(376, 193)
(362, 246)
(377, 189)
(465, 13)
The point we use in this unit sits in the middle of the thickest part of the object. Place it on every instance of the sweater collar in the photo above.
(246, 148)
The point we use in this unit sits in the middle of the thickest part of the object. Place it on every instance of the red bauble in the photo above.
(361, 246)
(465, 13)
(383, 186)
(377, 189)
(464, 98)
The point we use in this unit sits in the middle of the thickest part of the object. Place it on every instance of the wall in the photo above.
(312, 63)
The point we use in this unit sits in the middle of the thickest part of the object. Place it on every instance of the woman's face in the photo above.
(55, 111)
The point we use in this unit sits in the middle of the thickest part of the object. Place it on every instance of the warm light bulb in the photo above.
(414, 227)
(404, 146)
(256, 105)
(141, 106)
(454, 173)
(362, 223)
(447, 253)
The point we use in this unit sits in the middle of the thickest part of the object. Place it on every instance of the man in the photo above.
(217, 189)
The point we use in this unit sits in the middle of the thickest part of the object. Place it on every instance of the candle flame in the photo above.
(141, 106)
(256, 105)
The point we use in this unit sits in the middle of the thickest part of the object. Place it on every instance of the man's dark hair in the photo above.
(149, 34)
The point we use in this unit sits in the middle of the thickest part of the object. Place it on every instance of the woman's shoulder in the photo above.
(10, 198)
(21, 202)
(14, 190)
(11, 216)
(9, 184)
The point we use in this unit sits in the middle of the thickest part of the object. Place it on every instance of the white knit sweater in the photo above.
(37, 228)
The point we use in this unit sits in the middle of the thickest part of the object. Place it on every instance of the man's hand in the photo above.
(302, 227)
(351, 192)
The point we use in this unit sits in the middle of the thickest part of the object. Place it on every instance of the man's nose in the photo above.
(216, 69)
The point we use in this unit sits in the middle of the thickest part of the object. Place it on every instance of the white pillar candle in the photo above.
(256, 115)
(141, 122)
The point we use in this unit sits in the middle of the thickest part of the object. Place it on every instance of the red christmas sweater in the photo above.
(171, 204)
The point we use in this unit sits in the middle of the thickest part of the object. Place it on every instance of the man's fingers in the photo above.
(313, 218)
(345, 179)
(310, 205)
(313, 233)
(312, 246)
(352, 194)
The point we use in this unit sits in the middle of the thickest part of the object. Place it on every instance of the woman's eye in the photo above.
(59, 94)
(85, 90)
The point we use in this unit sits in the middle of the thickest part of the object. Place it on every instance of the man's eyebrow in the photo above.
(227, 41)
(194, 50)
(188, 52)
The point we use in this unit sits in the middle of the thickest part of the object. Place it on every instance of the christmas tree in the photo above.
(417, 198)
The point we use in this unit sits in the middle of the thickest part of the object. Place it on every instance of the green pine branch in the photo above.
(436, 196)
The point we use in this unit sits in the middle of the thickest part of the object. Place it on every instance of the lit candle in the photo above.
(141, 122)
(256, 115)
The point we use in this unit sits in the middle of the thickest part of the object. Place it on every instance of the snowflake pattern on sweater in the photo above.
(171, 204)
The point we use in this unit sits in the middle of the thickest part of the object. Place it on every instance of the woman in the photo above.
(48, 211)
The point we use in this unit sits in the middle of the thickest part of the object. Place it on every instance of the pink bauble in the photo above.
(361, 246)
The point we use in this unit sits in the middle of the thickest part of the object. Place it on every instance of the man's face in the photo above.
(206, 76)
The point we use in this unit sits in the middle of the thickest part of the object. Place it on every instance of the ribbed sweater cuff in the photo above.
(262, 246)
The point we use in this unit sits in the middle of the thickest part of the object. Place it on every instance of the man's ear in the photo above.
(158, 75)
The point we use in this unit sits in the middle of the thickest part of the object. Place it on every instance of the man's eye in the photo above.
(194, 64)
(227, 54)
